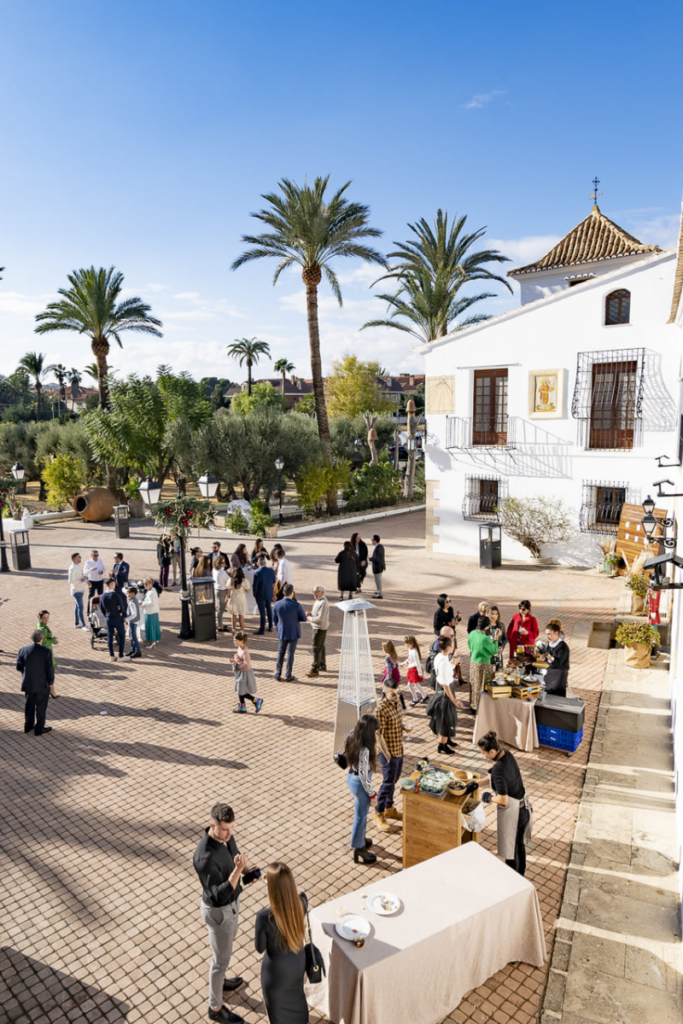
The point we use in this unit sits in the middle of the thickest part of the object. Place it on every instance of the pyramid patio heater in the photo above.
(357, 693)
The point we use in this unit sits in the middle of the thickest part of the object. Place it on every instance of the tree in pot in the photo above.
(639, 586)
(637, 639)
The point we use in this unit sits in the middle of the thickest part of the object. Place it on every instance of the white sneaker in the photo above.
(114, 658)
(86, 629)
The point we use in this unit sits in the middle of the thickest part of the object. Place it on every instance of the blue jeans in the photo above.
(115, 625)
(78, 608)
(288, 646)
(391, 773)
(265, 607)
(360, 815)
(133, 634)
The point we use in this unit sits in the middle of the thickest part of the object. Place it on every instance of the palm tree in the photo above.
(74, 377)
(309, 231)
(61, 373)
(35, 365)
(284, 367)
(249, 351)
(91, 306)
(431, 269)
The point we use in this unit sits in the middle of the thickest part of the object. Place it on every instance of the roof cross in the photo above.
(594, 194)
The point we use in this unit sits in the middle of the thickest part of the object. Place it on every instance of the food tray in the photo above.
(436, 779)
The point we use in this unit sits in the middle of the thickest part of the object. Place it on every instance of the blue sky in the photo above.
(141, 134)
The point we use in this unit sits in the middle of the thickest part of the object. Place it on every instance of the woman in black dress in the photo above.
(347, 573)
(558, 658)
(444, 614)
(361, 550)
(280, 931)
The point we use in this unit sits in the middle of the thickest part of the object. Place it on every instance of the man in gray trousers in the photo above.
(220, 867)
(378, 565)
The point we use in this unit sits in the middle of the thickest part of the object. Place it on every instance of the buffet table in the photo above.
(513, 720)
(432, 825)
(464, 916)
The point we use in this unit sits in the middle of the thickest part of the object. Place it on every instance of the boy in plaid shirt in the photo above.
(391, 728)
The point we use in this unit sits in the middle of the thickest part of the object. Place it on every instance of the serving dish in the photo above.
(352, 927)
(384, 903)
(434, 781)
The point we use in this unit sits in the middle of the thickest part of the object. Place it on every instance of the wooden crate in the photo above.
(431, 826)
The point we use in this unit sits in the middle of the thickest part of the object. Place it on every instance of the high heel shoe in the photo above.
(368, 843)
(363, 855)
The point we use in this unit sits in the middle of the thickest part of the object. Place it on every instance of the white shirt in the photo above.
(94, 570)
(75, 574)
(413, 660)
(320, 613)
(443, 670)
(150, 602)
(221, 579)
(284, 572)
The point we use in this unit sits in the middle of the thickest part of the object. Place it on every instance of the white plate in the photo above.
(376, 900)
(352, 927)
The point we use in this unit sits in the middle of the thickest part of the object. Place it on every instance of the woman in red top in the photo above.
(523, 630)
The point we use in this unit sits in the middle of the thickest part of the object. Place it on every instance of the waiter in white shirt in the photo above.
(284, 569)
(94, 573)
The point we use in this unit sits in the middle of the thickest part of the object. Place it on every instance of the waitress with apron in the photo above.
(557, 657)
(514, 809)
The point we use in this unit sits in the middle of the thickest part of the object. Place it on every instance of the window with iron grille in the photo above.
(608, 397)
(490, 414)
(482, 495)
(618, 307)
(601, 505)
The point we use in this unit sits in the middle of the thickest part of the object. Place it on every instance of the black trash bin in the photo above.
(203, 601)
(489, 547)
(21, 551)
(122, 521)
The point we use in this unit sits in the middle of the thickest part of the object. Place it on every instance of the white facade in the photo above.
(540, 285)
(554, 455)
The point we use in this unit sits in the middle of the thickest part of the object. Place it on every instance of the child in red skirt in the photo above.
(415, 674)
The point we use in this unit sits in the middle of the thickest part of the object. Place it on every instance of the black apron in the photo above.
(556, 681)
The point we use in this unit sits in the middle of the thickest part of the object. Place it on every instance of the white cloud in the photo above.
(16, 302)
(523, 250)
(154, 286)
(661, 229)
(186, 295)
(481, 99)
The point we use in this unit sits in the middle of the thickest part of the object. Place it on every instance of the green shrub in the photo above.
(638, 584)
(132, 488)
(64, 477)
(235, 522)
(315, 485)
(259, 518)
(629, 633)
(373, 486)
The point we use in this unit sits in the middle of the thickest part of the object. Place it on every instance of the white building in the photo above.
(571, 395)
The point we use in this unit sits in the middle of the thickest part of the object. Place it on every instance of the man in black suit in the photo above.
(378, 565)
(37, 676)
(113, 606)
(121, 572)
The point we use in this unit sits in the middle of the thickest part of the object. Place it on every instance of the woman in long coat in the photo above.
(347, 573)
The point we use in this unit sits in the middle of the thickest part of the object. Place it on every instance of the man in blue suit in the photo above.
(262, 589)
(114, 607)
(37, 676)
(288, 616)
(121, 572)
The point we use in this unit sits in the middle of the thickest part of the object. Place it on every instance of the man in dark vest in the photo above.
(113, 605)
(37, 676)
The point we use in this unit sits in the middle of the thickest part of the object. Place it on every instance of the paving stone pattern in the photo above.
(99, 912)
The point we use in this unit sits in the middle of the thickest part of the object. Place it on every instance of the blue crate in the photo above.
(559, 739)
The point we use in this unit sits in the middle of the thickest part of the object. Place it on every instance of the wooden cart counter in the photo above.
(432, 824)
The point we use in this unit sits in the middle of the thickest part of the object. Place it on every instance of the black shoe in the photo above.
(364, 856)
(378, 597)
(279, 678)
(28, 728)
(48, 728)
(270, 629)
(443, 748)
(368, 844)
(136, 655)
(232, 984)
(290, 679)
(259, 632)
(226, 1016)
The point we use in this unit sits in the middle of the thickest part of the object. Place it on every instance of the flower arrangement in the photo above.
(629, 633)
(613, 558)
(178, 516)
(638, 584)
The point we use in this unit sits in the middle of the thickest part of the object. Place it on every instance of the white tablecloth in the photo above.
(513, 720)
(465, 915)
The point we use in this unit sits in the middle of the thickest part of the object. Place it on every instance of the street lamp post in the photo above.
(279, 465)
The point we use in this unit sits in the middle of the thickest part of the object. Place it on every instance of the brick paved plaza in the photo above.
(100, 904)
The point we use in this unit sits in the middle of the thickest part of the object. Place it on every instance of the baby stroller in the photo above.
(98, 624)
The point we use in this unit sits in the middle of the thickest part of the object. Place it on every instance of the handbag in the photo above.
(315, 965)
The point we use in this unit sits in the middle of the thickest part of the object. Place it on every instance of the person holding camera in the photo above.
(509, 795)
(222, 870)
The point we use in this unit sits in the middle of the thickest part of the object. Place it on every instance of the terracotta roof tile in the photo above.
(595, 238)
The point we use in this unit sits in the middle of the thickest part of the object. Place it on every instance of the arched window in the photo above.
(618, 307)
